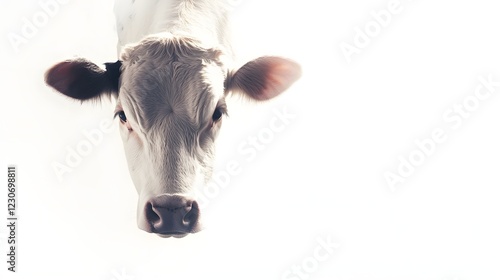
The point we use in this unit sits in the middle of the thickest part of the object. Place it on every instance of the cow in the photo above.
(170, 82)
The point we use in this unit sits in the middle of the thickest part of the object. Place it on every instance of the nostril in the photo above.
(192, 214)
(151, 214)
(171, 214)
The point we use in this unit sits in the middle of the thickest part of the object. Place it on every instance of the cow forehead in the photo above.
(164, 78)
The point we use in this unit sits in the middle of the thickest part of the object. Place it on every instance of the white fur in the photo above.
(171, 82)
(203, 19)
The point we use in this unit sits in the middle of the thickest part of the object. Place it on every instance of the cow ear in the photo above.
(84, 80)
(264, 77)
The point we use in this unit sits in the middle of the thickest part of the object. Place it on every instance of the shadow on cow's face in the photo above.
(170, 102)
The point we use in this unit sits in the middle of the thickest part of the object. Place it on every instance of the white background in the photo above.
(320, 178)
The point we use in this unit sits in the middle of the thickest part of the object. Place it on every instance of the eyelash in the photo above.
(216, 116)
(218, 113)
(123, 119)
(121, 115)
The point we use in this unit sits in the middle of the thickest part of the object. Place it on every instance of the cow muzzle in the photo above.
(170, 215)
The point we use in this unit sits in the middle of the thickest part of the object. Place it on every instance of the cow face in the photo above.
(170, 96)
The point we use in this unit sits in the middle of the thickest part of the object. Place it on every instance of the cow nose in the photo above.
(171, 215)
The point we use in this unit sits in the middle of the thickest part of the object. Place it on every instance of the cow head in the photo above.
(170, 95)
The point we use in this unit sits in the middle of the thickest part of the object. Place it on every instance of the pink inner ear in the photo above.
(266, 77)
(280, 76)
(60, 76)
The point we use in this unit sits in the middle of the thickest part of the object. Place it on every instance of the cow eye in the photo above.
(217, 114)
(122, 116)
